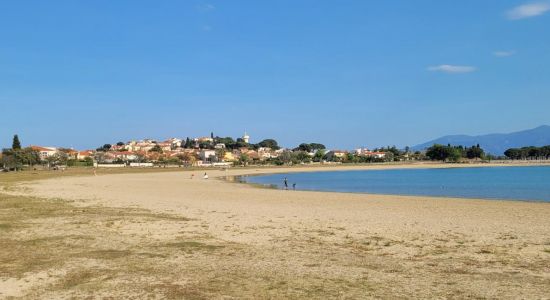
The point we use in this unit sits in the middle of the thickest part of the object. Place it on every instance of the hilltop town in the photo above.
(203, 151)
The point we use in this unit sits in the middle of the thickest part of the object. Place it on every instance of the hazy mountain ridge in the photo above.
(496, 143)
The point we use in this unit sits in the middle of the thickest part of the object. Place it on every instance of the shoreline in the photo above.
(379, 167)
(430, 197)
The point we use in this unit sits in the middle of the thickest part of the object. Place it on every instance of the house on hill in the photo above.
(367, 153)
(208, 155)
(336, 153)
(82, 155)
(45, 152)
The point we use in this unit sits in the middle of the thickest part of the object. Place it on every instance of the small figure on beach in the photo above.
(192, 175)
(95, 173)
(285, 181)
(205, 176)
(294, 186)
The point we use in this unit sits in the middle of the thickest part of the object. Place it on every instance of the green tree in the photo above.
(29, 156)
(156, 148)
(444, 153)
(286, 157)
(269, 143)
(309, 147)
(220, 154)
(188, 158)
(300, 157)
(304, 147)
(317, 146)
(319, 155)
(241, 143)
(205, 145)
(228, 142)
(57, 159)
(88, 161)
(16, 144)
(244, 159)
(437, 152)
(475, 152)
(454, 155)
(9, 159)
(187, 144)
(104, 148)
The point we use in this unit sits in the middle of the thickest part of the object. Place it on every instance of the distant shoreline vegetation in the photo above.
(528, 153)
(452, 153)
(455, 153)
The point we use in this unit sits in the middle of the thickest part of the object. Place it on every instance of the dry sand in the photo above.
(242, 241)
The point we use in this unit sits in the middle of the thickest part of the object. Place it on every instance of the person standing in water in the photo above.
(294, 186)
(285, 181)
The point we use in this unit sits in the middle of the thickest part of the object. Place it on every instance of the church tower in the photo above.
(246, 138)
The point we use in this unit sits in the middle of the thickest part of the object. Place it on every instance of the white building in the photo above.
(207, 155)
(176, 143)
(246, 137)
(368, 153)
(45, 152)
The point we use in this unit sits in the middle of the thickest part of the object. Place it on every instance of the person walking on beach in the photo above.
(192, 175)
(205, 176)
(294, 186)
(285, 181)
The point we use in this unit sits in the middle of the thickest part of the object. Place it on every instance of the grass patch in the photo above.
(190, 246)
(312, 265)
(45, 233)
(30, 175)
(107, 254)
(76, 278)
(484, 251)
(4, 226)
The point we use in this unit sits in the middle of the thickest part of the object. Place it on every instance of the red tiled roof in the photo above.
(39, 148)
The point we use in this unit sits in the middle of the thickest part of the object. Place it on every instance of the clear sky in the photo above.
(343, 73)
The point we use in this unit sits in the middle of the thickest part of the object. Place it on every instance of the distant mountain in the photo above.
(496, 143)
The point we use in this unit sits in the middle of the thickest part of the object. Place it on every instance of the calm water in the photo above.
(520, 183)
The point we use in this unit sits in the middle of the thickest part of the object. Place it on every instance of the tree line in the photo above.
(530, 152)
(16, 157)
(454, 153)
(231, 143)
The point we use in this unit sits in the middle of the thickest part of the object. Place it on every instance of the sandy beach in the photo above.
(195, 238)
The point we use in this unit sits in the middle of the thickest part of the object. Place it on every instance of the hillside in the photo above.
(496, 143)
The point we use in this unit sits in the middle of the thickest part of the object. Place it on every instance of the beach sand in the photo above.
(195, 238)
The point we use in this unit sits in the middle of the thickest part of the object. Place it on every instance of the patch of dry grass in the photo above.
(42, 235)
(191, 246)
(94, 259)
(7, 178)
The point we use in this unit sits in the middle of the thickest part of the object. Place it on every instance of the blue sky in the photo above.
(343, 73)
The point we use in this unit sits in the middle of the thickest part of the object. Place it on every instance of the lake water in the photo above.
(518, 183)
